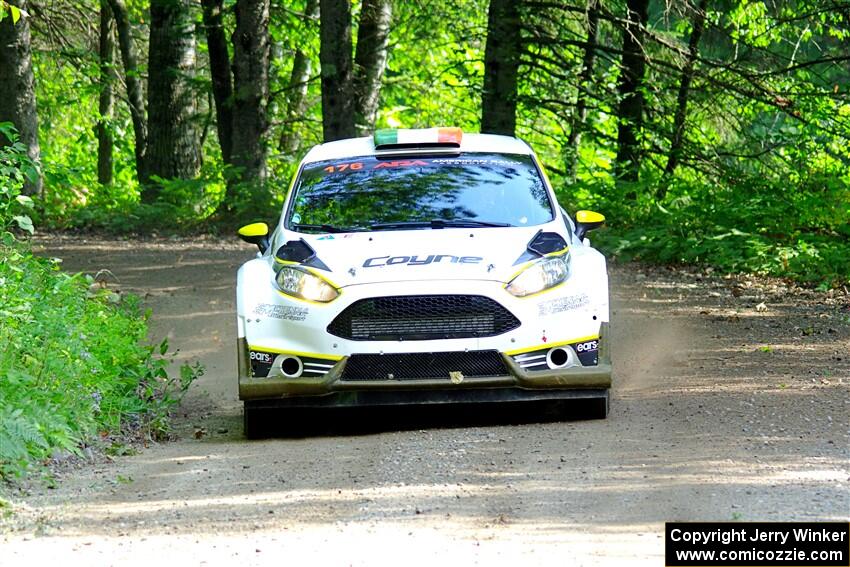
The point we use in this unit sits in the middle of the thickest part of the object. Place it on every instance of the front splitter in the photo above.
(379, 398)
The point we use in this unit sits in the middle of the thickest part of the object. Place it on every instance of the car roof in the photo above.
(356, 147)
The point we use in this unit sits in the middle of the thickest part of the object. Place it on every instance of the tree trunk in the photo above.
(585, 84)
(369, 62)
(251, 52)
(335, 57)
(630, 112)
(173, 151)
(17, 87)
(501, 63)
(698, 24)
(220, 71)
(135, 93)
(105, 100)
(302, 66)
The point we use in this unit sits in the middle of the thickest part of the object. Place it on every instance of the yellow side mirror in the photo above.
(589, 217)
(587, 221)
(256, 233)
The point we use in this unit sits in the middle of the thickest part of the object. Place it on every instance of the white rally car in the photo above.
(419, 267)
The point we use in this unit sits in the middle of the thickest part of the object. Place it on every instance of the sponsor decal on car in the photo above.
(587, 346)
(287, 312)
(456, 161)
(588, 352)
(261, 362)
(358, 166)
(562, 304)
(262, 357)
(417, 261)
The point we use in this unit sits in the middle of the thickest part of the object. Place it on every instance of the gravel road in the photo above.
(730, 403)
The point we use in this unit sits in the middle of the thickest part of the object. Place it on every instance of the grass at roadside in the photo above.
(75, 365)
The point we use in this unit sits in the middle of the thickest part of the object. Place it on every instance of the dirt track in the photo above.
(723, 409)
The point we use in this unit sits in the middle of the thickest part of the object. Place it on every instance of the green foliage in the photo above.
(73, 363)
(435, 71)
(73, 359)
(757, 225)
(11, 11)
(761, 184)
(15, 169)
(182, 206)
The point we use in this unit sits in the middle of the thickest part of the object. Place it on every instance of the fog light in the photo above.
(560, 357)
(289, 366)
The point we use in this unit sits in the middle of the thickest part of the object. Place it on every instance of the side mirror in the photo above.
(587, 221)
(256, 233)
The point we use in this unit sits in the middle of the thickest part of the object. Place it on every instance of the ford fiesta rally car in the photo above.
(419, 267)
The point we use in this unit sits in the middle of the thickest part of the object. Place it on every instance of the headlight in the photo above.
(540, 276)
(303, 284)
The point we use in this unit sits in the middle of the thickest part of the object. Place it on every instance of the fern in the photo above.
(71, 365)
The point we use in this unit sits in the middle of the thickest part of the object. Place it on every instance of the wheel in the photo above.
(254, 421)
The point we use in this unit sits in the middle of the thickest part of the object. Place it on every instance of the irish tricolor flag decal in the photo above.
(441, 136)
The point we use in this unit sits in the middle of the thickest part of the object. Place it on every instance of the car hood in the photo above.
(422, 255)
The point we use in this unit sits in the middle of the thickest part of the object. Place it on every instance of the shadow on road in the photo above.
(332, 422)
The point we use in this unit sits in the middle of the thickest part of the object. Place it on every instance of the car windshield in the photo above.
(369, 193)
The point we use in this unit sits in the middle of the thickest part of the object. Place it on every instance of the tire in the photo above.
(254, 421)
(599, 407)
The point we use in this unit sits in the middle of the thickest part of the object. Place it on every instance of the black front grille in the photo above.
(424, 366)
(422, 317)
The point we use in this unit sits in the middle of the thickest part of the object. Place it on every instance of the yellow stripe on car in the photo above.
(551, 345)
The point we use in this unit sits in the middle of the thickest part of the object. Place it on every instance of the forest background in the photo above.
(714, 133)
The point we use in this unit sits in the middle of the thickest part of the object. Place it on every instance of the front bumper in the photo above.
(516, 380)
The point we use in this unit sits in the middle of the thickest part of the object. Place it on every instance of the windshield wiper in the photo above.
(326, 227)
(437, 223)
